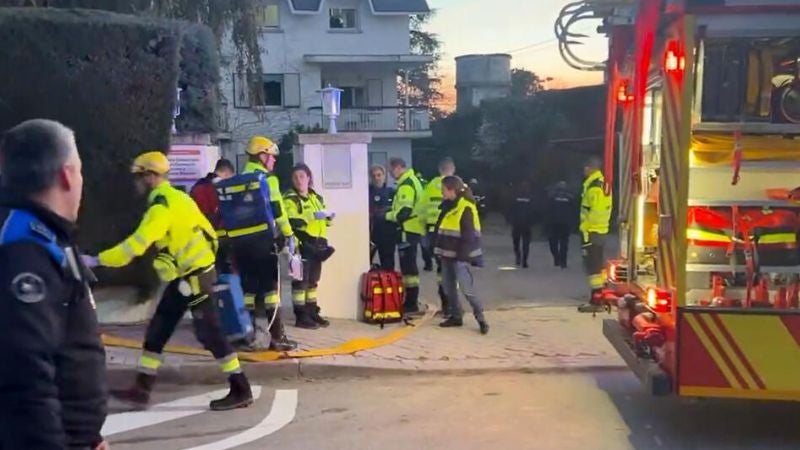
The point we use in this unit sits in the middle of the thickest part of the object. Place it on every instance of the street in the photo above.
(595, 410)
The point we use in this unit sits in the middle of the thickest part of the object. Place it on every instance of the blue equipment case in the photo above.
(236, 322)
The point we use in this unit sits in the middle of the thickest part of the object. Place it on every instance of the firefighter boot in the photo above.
(313, 312)
(303, 318)
(240, 395)
(138, 395)
(279, 341)
(261, 340)
(452, 322)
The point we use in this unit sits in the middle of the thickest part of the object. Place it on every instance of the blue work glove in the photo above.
(320, 215)
(291, 243)
(90, 261)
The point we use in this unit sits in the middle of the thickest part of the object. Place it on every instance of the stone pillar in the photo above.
(339, 164)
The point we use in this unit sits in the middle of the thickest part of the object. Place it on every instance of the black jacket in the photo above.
(562, 209)
(521, 212)
(380, 202)
(52, 363)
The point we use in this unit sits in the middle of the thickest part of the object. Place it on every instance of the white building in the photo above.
(359, 46)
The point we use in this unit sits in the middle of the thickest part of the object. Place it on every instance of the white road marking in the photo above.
(282, 413)
(164, 412)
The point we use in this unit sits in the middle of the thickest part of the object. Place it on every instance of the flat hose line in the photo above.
(347, 348)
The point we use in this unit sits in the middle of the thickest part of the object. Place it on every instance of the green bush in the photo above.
(112, 79)
(199, 78)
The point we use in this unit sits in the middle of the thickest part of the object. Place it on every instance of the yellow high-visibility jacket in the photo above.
(406, 200)
(595, 206)
(301, 214)
(431, 202)
(276, 199)
(177, 227)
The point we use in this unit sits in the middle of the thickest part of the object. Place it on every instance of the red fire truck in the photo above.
(703, 133)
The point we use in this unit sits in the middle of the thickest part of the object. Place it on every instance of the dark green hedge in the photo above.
(199, 78)
(112, 79)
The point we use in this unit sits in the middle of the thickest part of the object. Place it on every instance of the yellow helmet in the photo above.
(155, 162)
(261, 144)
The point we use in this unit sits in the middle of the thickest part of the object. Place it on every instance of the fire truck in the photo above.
(702, 151)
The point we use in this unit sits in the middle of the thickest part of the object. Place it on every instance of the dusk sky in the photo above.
(511, 26)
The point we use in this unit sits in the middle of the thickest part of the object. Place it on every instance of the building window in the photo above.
(274, 90)
(354, 97)
(267, 16)
(343, 19)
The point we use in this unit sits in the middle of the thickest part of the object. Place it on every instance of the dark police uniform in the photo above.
(52, 364)
(383, 233)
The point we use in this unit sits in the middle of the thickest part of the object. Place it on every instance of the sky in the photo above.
(523, 28)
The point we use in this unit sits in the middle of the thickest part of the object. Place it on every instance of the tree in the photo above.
(216, 14)
(420, 84)
(525, 83)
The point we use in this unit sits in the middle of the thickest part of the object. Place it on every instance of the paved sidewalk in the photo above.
(521, 339)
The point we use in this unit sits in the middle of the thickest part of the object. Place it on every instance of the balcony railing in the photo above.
(376, 119)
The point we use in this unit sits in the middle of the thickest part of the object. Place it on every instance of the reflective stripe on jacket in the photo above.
(404, 208)
(276, 199)
(595, 206)
(300, 211)
(459, 233)
(177, 227)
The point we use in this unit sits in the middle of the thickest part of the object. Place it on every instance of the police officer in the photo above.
(383, 233)
(430, 207)
(310, 220)
(257, 255)
(187, 245)
(595, 217)
(404, 214)
(52, 364)
(520, 216)
(559, 221)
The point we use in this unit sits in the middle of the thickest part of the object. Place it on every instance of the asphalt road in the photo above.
(588, 411)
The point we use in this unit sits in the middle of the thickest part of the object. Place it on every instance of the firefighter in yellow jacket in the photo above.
(405, 213)
(595, 217)
(256, 256)
(429, 208)
(187, 246)
(310, 220)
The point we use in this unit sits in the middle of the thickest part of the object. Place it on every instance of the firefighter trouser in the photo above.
(410, 269)
(426, 247)
(457, 275)
(305, 291)
(195, 293)
(442, 293)
(258, 267)
(594, 260)
(521, 237)
(558, 235)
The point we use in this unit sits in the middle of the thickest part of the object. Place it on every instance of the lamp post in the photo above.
(331, 106)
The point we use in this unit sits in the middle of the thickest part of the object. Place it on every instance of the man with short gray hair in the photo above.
(52, 364)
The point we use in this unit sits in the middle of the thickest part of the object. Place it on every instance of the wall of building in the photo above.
(381, 150)
(481, 77)
(298, 35)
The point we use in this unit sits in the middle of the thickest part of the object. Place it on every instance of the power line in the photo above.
(530, 46)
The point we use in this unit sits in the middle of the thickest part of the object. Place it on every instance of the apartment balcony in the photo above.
(382, 121)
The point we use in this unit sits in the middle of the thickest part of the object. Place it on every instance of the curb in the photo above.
(287, 370)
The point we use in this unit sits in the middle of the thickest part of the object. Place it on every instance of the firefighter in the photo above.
(404, 213)
(53, 387)
(458, 244)
(520, 216)
(595, 217)
(310, 220)
(256, 256)
(430, 207)
(187, 245)
(559, 221)
(383, 234)
(204, 193)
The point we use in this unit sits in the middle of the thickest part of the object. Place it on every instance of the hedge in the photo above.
(111, 78)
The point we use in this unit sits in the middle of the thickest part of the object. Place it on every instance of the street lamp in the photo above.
(331, 106)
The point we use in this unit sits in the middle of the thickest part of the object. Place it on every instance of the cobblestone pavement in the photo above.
(531, 311)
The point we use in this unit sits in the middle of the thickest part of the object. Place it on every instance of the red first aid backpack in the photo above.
(382, 294)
